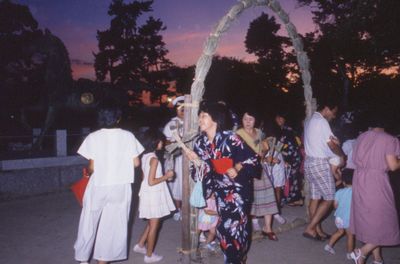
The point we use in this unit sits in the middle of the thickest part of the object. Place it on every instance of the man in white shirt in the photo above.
(320, 144)
(176, 124)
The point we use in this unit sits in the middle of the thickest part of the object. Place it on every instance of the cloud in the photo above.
(176, 37)
(82, 69)
(81, 62)
(186, 48)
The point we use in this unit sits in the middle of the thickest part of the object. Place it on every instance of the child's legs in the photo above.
(211, 235)
(143, 237)
(350, 240)
(336, 236)
(200, 236)
(152, 235)
(178, 204)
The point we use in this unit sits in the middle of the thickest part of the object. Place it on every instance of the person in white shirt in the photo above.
(350, 135)
(103, 225)
(320, 145)
(175, 124)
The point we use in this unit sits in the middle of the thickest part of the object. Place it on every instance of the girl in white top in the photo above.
(154, 197)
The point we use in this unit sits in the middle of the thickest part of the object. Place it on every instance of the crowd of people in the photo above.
(247, 174)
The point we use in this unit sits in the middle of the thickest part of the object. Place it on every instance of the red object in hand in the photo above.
(79, 187)
(222, 165)
(286, 189)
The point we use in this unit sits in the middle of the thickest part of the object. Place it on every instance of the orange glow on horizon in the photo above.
(82, 71)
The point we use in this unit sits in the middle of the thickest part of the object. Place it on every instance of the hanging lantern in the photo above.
(87, 98)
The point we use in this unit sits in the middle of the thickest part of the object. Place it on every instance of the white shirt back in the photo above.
(112, 151)
(347, 147)
(317, 133)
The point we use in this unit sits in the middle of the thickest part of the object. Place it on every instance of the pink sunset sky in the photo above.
(188, 23)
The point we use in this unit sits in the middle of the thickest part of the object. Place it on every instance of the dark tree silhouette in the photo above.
(129, 52)
(17, 68)
(34, 66)
(184, 78)
(263, 41)
(354, 39)
(57, 77)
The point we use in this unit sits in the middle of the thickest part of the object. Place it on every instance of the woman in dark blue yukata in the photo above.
(230, 166)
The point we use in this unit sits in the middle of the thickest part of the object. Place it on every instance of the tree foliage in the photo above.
(361, 27)
(34, 68)
(129, 52)
(263, 41)
(17, 67)
(355, 38)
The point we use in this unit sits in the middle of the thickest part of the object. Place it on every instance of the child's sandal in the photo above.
(356, 255)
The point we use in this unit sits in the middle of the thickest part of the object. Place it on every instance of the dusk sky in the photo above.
(188, 23)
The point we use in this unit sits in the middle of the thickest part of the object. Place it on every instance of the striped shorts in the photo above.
(317, 172)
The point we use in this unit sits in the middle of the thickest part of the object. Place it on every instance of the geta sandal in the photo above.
(270, 235)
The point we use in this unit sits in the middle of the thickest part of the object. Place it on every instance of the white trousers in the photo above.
(104, 223)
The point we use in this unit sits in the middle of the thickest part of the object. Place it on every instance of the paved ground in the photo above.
(42, 230)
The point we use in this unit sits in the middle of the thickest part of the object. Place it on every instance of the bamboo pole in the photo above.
(186, 244)
(189, 213)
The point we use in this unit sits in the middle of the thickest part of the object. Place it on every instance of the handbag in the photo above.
(79, 187)
(222, 165)
(197, 197)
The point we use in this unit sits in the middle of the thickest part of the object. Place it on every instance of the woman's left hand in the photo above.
(232, 173)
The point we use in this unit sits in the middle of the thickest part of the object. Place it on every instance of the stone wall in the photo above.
(28, 177)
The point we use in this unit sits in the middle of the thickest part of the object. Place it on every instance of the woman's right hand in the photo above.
(264, 146)
(191, 154)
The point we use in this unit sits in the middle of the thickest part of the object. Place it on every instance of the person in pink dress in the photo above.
(373, 218)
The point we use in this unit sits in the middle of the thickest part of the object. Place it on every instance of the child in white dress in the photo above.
(154, 197)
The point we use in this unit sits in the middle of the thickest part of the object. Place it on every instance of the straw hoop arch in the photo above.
(204, 62)
(189, 221)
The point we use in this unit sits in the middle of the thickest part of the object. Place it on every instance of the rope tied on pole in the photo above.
(194, 104)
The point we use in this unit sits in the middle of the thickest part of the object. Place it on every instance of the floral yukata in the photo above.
(292, 156)
(233, 196)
